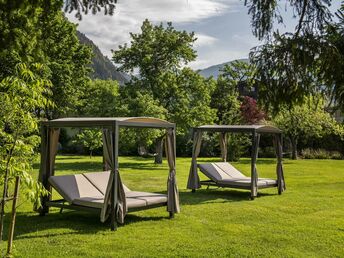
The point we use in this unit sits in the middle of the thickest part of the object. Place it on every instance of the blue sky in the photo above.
(221, 26)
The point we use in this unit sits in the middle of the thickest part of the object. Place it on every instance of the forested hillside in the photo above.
(102, 67)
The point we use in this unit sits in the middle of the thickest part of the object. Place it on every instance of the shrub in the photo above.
(320, 154)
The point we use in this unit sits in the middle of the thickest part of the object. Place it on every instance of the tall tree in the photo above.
(20, 96)
(301, 122)
(294, 64)
(158, 53)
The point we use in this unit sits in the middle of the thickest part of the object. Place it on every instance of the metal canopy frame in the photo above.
(255, 131)
(112, 124)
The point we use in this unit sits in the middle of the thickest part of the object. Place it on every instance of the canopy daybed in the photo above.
(103, 192)
(223, 174)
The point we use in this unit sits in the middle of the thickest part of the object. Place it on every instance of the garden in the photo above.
(305, 221)
(291, 85)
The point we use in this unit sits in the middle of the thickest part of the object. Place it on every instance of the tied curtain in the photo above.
(172, 189)
(193, 181)
(279, 167)
(254, 173)
(49, 146)
(114, 186)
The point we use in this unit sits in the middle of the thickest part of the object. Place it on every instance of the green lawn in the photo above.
(305, 221)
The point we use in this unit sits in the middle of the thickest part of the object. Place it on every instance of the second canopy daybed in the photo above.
(223, 174)
(103, 192)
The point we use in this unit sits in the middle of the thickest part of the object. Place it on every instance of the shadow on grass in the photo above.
(31, 225)
(263, 161)
(206, 196)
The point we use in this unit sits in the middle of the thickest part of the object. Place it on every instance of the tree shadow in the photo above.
(216, 195)
(32, 226)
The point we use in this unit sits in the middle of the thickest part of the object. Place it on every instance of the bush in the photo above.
(320, 154)
(267, 152)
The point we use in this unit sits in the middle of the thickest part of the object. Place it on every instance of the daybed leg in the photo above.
(113, 225)
(193, 190)
(171, 215)
(279, 191)
(61, 210)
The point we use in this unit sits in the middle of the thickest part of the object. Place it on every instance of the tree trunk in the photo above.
(90, 154)
(159, 143)
(293, 148)
(13, 217)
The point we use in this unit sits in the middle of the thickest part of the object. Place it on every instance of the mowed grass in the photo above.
(305, 221)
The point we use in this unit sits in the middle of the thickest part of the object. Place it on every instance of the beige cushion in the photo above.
(100, 180)
(93, 202)
(247, 182)
(135, 203)
(229, 169)
(71, 187)
(97, 202)
(213, 172)
(149, 198)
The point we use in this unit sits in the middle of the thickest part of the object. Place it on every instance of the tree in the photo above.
(90, 139)
(68, 61)
(250, 112)
(20, 95)
(305, 121)
(294, 64)
(158, 54)
(100, 98)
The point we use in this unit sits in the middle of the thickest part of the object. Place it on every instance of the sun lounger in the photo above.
(223, 174)
(88, 190)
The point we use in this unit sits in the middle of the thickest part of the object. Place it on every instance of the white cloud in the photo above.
(204, 40)
(108, 32)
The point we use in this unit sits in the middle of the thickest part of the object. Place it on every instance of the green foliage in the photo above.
(225, 98)
(68, 61)
(20, 96)
(177, 94)
(308, 60)
(90, 139)
(154, 51)
(100, 99)
(302, 122)
(320, 154)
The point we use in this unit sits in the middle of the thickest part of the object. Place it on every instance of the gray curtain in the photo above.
(50, 141)
(223, 146)
(254, 173)
(49, 144)
(172, 189)
(115, 183)
(193, 181)
(279, 167)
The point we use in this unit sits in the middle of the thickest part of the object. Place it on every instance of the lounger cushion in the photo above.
(213, 172)
(247, 181)
(229, 169)
(93, 202)
(149, 198)
(100, 180)
(97, 202)
(71, 187)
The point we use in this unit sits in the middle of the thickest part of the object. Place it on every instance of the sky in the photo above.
(222, 27)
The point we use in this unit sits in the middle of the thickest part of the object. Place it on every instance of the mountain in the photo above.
(102, 67)
(215, 69)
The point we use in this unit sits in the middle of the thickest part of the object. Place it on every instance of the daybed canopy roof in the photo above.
(108, 122)
(239, 128)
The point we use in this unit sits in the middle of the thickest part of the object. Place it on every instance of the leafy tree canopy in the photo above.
(307, 120)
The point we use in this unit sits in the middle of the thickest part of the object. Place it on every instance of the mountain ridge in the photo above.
(214, 70)
(101, 65)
